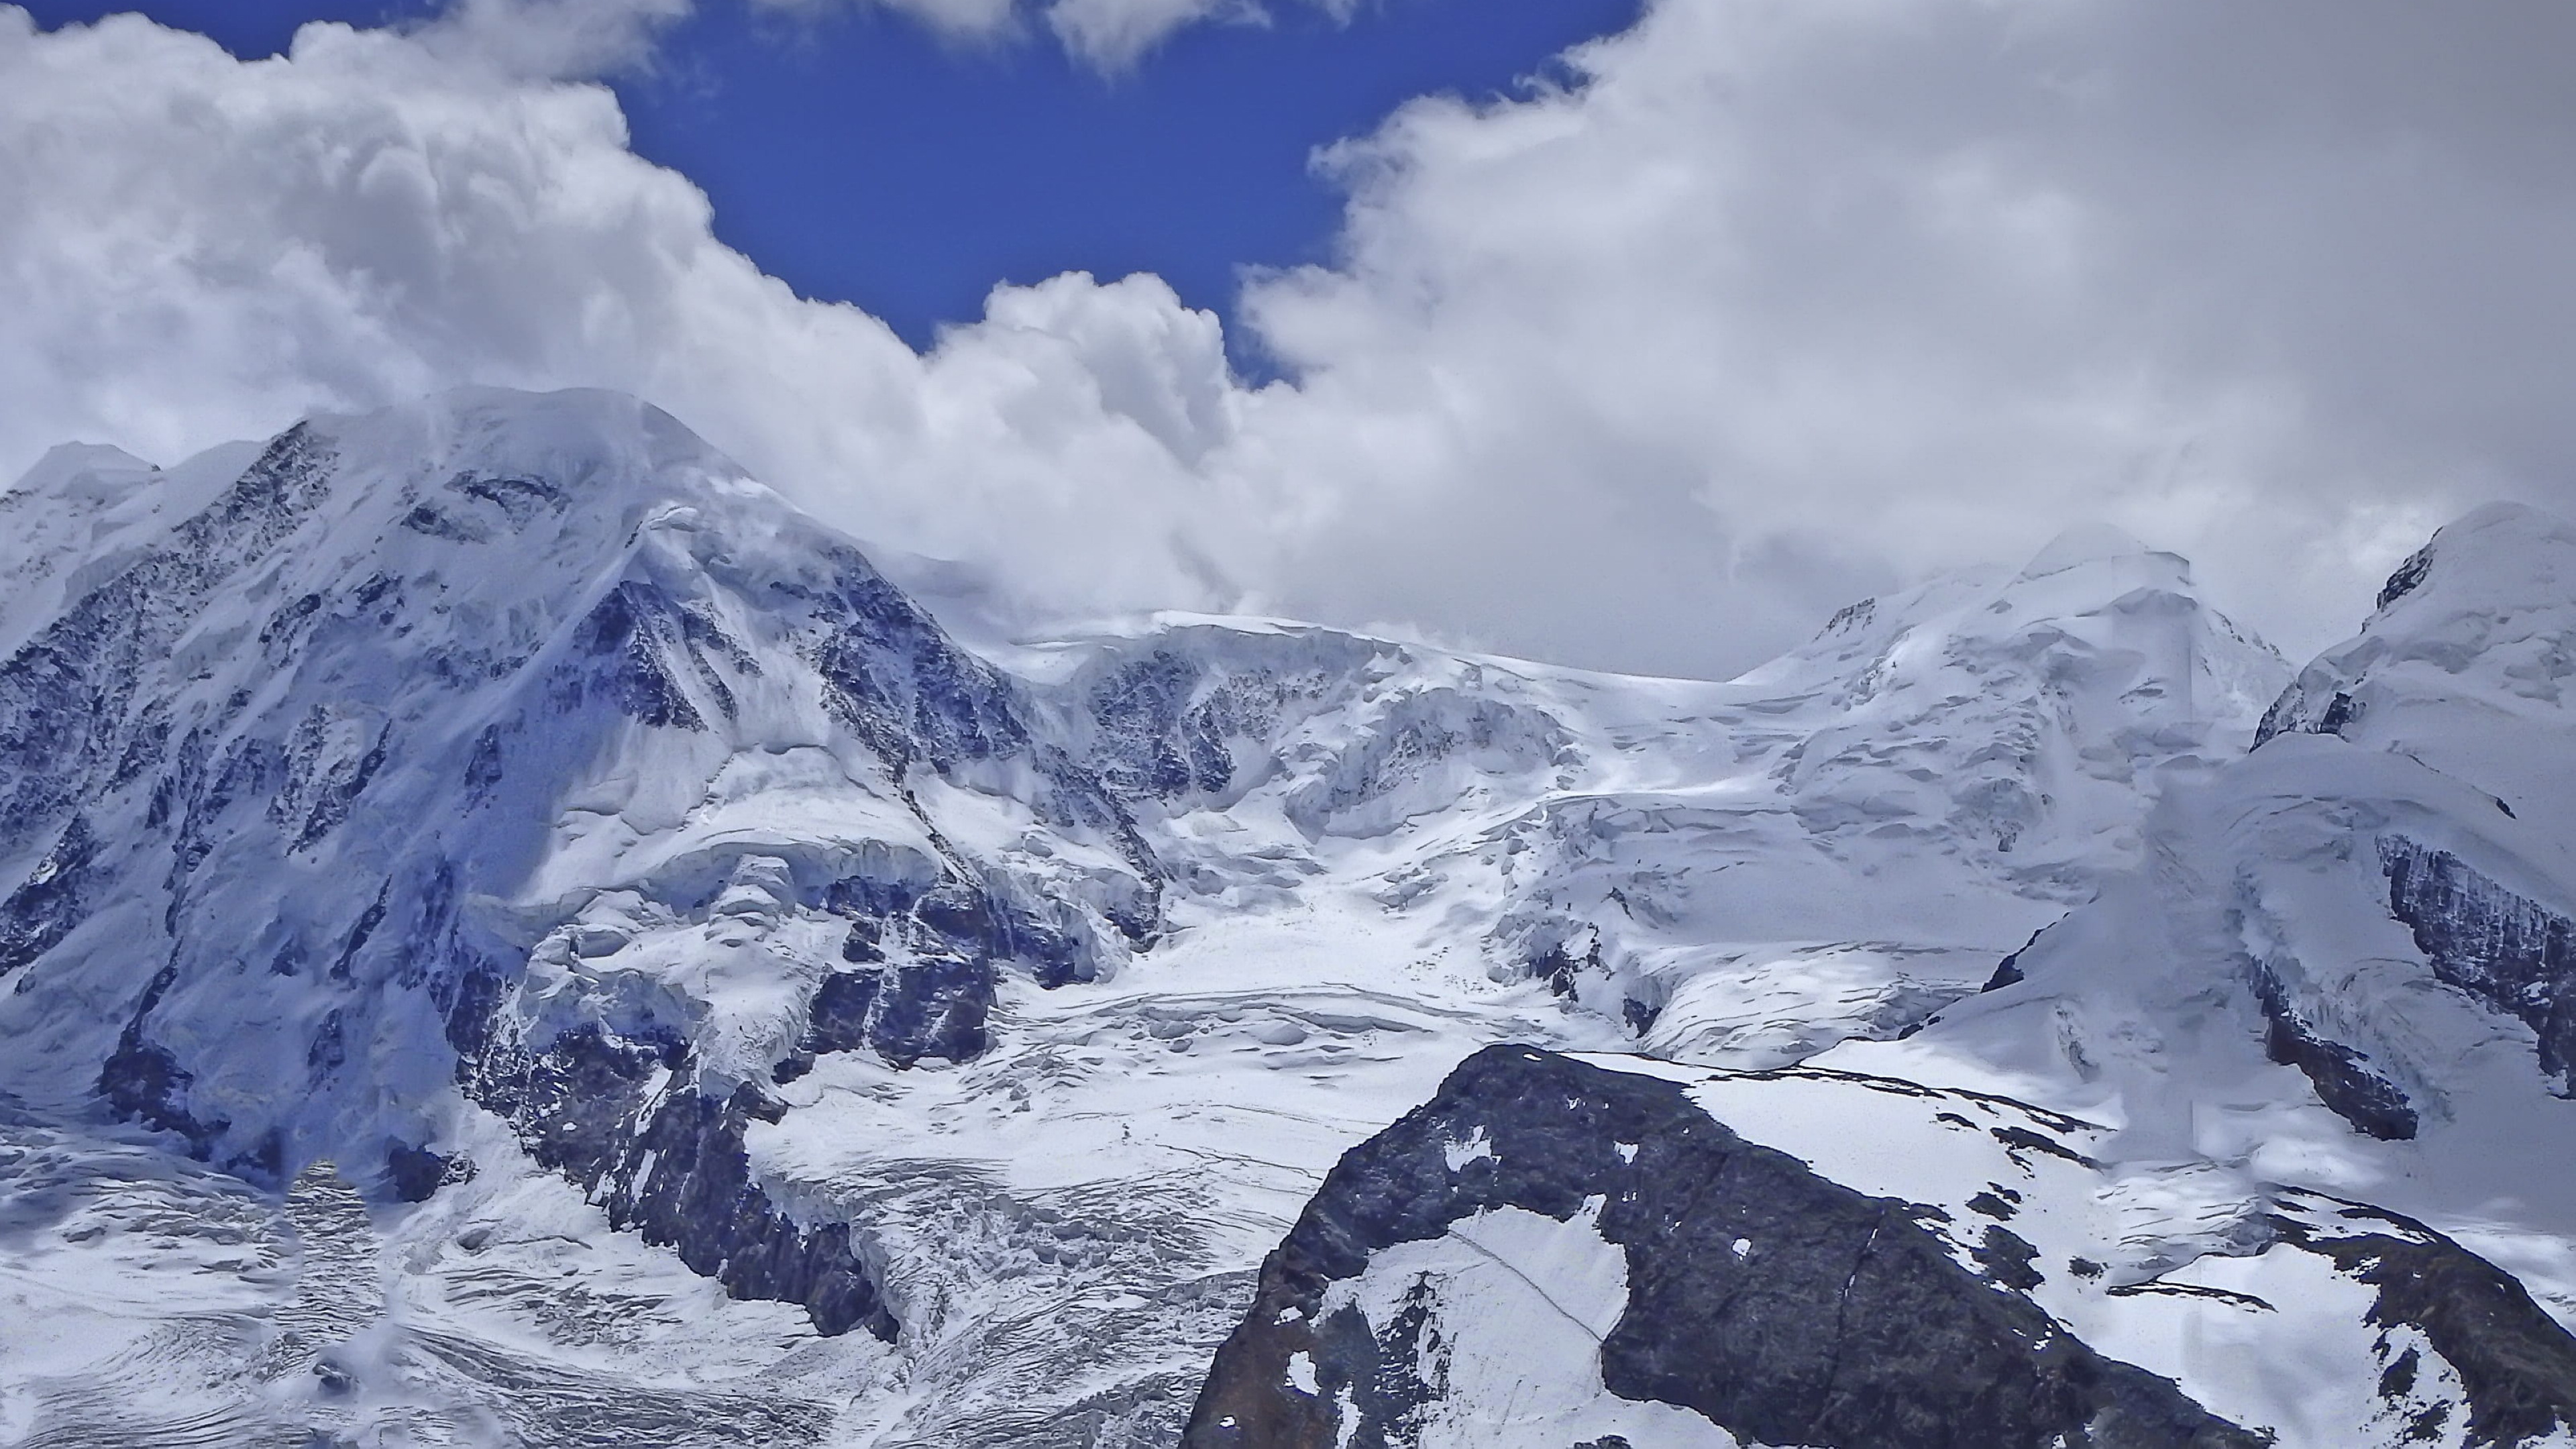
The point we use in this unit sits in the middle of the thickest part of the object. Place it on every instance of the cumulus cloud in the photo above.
(1766, 305)
(1788, 295)
(208, 248)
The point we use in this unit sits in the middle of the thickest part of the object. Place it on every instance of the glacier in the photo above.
(511, 933)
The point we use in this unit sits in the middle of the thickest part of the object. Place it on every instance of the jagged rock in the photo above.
(2508, 951)
(2516, 1366)
(50, 902)
(1557, 1251)
(2341, 1075)
(1853, 1328)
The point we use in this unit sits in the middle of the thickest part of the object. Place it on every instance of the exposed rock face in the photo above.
(1854, 1327)
(2342, 1076)
(44, 909)
(68, 716)
(1161, 734)
(2510, 952)
(1560, 1251)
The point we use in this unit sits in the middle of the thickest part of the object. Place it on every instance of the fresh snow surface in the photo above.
(1524, 1301)
(1359, 860)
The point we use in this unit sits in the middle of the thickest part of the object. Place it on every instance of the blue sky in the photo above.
(864, 159)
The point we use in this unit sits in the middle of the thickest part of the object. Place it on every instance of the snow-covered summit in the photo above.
(1979, 751)
(2258, 1116)
(510, 774)
(83, 468)
(2467, 662)
(2348, 960)
(82, 510)
(2084, 543)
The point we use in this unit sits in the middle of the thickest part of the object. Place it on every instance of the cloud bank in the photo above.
(1766, 306)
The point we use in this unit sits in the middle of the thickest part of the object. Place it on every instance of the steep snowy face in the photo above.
(2029, 714)
(521, 745)
(2465, 664)
(2359, 940)
(2457, 690)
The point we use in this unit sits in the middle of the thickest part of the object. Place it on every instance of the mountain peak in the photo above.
(502, 799)
(70, 463)
(2084, 543)
(2498, 555)
(576, 437)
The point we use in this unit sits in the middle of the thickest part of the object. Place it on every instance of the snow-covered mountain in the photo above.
(509, 784)
(2264, 1142)
(2344, 965)
(513, 934)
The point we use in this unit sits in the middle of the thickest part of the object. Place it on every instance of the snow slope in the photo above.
(1681, 857)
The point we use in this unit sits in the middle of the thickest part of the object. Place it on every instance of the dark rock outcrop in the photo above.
(2510, 952)
(618, 1116)
(416, 1173)
(1852, 1328)
(2341, 1076)
(142, 1080)
(2417, 567)
(2292, 713)
(626, 651)
(1156, 737)
(50, 902)
(2008, 971)
(2517, 1367)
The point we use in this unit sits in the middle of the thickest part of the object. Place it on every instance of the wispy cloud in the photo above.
(552, 39)
(1109, 36)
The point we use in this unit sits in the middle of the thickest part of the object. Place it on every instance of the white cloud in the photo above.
(1784, 297)
(1773, 305)
(208, 248)
(980, 21)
